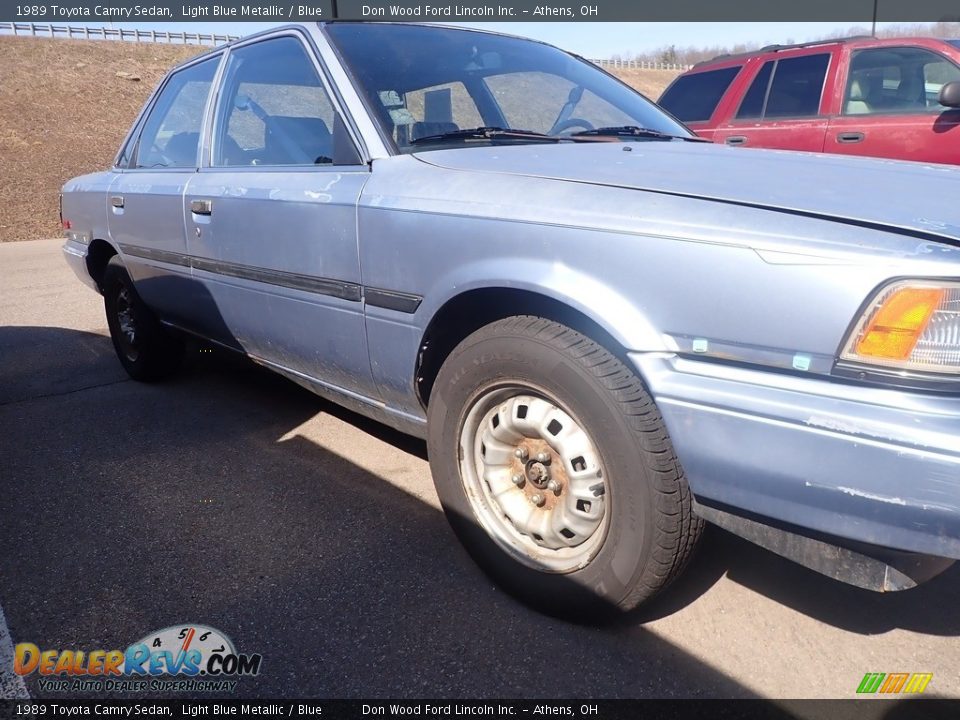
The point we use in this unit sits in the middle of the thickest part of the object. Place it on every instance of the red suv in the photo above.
(896, 98)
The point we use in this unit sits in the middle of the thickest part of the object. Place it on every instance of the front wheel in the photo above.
(556, 471)
(146, 349)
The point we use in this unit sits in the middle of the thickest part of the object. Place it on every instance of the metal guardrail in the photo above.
(136, 35)
(102, 33)
(639, 65)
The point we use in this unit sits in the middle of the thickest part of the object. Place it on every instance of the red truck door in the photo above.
(890, 106)
(782, 106)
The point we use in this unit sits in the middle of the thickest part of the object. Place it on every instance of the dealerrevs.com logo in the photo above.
(186, 657)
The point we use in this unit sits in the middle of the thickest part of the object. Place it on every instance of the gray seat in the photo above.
(181, 149)
(310, 135)
(424, 129)
(857, 100)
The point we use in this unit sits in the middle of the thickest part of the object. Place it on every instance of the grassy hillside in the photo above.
(66, 105)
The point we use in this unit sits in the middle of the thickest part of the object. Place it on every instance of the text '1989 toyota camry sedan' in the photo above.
(607, 330)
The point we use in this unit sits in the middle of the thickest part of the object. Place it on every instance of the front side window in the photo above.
(273, 109)
(171, 133)
(693, 98)
(894, 80)
(423, 81)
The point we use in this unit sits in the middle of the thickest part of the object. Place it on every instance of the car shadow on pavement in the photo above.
(134, 507)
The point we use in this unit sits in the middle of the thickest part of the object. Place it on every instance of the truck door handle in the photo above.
(850, 137)
(201, 207)
(736, 140)
(117, 201)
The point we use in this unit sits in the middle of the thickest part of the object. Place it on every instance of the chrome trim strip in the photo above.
(322, 286)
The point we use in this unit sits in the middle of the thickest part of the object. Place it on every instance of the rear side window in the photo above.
(794, 90)
(171, 133)
(693, 98)
(797, 86)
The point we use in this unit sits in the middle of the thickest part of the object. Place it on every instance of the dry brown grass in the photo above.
(650, 82)
(64, 111)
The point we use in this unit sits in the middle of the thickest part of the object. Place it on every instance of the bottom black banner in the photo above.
(866, 709)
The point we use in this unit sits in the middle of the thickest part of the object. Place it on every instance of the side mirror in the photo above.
(241, 102)
(950, 94)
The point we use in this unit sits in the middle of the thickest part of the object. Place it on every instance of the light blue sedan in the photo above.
(606, 330)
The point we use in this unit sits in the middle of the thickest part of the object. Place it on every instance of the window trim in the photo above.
(893, 113)
(212, 124)
(132, 140)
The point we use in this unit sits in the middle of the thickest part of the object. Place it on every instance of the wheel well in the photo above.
(469, 312)
(98, 256)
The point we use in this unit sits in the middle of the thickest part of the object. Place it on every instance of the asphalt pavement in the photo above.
(230, 497)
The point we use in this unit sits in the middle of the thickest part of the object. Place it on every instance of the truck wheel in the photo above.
(146, 349)
(555, 470)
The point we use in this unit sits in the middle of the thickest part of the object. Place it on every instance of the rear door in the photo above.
(271, 219)
(890, 106)
(783, 106)
(145, 204)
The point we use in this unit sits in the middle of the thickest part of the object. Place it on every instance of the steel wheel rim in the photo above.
(126, 324)
(553, 527)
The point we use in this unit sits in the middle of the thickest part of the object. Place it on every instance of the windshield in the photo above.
(425, 83)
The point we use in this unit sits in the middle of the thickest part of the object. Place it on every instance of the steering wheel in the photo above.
(571, 123)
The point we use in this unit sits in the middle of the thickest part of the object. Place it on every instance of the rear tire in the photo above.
(146, 349)
(615, 527)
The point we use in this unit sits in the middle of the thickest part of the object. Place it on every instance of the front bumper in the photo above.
(860, 463)
(75, 253)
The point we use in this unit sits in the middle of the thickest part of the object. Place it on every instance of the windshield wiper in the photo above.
(634, 131)
(486, 133)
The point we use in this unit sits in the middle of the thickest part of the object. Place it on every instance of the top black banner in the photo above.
(860, 12)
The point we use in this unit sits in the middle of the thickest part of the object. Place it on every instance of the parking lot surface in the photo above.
(230, 497)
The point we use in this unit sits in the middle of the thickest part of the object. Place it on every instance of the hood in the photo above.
(911, 198)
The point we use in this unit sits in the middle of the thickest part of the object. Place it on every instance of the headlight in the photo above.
(910, 325)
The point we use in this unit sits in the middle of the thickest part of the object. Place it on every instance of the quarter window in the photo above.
(756, 97)
(171, 134)
(274, 109)
(894, 80)
(693, 98)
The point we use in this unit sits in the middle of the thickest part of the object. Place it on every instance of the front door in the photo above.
(272, 222)
(891, 107)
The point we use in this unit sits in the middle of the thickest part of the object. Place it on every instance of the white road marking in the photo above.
(12, 686)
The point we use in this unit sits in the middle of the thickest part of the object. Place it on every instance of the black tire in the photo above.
(651, 530)
(152, 352)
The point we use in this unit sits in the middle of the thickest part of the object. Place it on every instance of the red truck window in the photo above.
(893, 80)
(794, 90)
(693, 98)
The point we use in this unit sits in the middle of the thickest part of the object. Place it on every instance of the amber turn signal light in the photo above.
(897, 325)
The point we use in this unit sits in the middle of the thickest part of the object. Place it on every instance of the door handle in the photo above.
(736, 140)
(201, 207)
(850, 137)
(117, 201)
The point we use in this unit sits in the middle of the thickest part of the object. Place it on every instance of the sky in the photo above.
(593, 40)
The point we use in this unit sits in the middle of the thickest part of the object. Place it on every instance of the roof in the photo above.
(853, 40)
